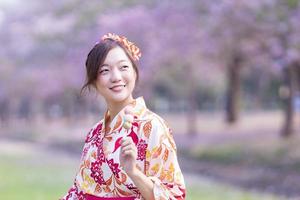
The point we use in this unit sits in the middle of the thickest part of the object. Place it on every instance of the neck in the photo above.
(115, 107)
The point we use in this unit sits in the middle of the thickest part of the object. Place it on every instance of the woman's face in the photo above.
(116, 77)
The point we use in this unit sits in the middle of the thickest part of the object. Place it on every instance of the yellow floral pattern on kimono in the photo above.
(100, 173)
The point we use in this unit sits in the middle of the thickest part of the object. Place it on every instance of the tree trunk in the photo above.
(192, 115)
(291, 82)
(192, 105)
(233, 90)
(4, 111)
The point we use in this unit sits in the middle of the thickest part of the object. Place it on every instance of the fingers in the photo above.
(126, 141)
(128, 147)
(128, 152)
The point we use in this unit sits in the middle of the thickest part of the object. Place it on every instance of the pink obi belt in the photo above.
(92, 197)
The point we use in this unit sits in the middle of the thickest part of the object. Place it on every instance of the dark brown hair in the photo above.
(96, 58)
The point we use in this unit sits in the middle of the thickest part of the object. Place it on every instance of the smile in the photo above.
(117, 87)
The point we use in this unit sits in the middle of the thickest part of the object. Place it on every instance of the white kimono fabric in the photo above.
(100, 173)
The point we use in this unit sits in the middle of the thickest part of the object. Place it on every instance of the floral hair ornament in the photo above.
(130, 46)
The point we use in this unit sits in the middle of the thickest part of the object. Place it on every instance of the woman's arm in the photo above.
(128, 158)
(163, 178)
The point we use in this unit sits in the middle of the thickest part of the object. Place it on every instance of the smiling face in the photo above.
(116, 78)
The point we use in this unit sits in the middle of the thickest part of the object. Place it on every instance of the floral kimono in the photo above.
(100, 173)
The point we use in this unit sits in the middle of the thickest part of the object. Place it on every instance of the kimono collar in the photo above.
(132, 111)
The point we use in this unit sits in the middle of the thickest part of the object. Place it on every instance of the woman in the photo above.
(130, 154)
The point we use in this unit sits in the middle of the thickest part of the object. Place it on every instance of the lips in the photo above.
(117, 87)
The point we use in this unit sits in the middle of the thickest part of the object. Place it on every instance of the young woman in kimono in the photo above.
(130, 154)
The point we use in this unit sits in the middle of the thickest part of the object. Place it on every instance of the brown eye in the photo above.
(103, 71)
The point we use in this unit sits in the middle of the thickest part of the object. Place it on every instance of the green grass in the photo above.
(40, 176)
(207, 190)
(283, 157)
(33, 178)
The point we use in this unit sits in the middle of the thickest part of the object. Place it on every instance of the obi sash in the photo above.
(92, 197)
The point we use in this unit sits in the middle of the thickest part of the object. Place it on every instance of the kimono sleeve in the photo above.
(74, 192)
(161, 163)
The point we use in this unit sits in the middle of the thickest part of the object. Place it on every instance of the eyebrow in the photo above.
(117, 62)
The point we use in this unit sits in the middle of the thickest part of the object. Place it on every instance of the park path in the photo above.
(56, 144)
(279, 180)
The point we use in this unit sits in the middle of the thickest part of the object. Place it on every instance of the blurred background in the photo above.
(224, 74)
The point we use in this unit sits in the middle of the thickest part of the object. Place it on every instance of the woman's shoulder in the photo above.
(158, 123)
(97, 124)
(96, 128)
(158, 130)
(155, 119)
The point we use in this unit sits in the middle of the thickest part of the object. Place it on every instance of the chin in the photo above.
(119, 97)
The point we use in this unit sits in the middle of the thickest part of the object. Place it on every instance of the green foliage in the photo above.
(292, 3)
(42, 175)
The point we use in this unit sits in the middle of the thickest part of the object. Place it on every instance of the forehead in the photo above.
(115, 55)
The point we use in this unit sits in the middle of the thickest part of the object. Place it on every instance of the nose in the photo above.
(116, 76)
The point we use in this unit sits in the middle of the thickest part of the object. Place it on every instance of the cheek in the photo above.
(131, 78)
(133, 75)
(100, 82)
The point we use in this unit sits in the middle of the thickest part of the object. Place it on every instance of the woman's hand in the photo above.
(128, 155)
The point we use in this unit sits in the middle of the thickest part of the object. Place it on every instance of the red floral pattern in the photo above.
(141, 148)
(97, 140)
(93, 132)
(100, 173)
(97, 173)
(114, 167)
(73, 194)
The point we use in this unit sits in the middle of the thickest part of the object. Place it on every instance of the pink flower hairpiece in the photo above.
(130, 46)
